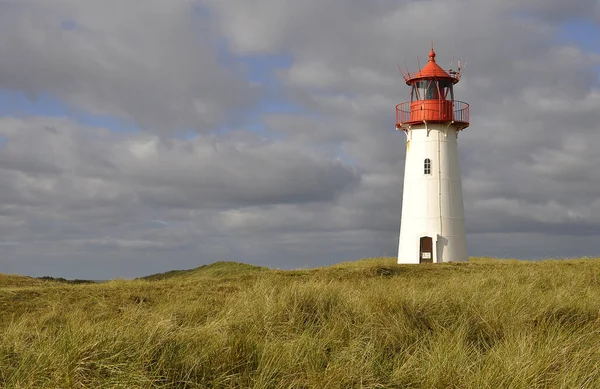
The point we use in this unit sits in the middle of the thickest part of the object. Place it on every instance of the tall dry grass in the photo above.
(364, 324)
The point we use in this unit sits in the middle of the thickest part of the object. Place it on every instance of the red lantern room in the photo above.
(432, 98)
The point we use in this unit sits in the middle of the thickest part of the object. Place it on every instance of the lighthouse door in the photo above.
(426, 250)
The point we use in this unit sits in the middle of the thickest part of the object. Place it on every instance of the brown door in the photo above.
(426, 250)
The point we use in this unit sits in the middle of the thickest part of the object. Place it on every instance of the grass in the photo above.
(365, 324)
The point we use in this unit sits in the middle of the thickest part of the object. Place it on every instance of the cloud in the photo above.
(76, 183)
(207, 174)
(154, 65)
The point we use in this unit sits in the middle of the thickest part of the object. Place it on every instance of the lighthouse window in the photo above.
(446, 90)
(432, 91)
(427, 167)
(414, 96)
(422, 89)
(425, 90)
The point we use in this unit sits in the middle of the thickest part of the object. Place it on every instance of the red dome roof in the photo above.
(431, 70)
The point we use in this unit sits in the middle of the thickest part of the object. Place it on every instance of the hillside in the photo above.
(13, 280)
(217, 269)
(370, 323)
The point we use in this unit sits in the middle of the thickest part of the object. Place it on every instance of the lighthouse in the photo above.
(432, 228)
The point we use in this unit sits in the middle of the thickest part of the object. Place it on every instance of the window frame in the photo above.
(427, 167)
(433, 89)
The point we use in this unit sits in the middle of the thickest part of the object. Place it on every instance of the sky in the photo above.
(138, 137)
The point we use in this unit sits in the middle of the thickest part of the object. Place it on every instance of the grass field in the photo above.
(365, 324)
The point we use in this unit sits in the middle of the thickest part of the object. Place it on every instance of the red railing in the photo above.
(432, 111)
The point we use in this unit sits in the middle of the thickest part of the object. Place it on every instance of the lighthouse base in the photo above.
(422, 248)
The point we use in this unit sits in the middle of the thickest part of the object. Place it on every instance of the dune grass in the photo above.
(365, 324)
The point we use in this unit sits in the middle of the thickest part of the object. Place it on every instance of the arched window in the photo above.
(427, 166)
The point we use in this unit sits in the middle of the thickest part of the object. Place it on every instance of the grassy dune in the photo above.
(370, 324)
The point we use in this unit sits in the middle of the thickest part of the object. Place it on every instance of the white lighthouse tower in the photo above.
(432, 229)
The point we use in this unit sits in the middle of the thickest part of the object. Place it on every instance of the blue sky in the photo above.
(584, 33)
(18, 104)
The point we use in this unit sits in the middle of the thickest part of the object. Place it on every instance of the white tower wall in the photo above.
(432, 204)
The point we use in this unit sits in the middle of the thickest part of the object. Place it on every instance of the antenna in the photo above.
(461, 66)
(405, 73)
(401, 71)
(418, 63)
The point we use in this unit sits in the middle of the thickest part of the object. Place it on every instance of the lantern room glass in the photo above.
(446, 89)
(432, 90)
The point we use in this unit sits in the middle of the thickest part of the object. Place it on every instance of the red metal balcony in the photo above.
(432, 111)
